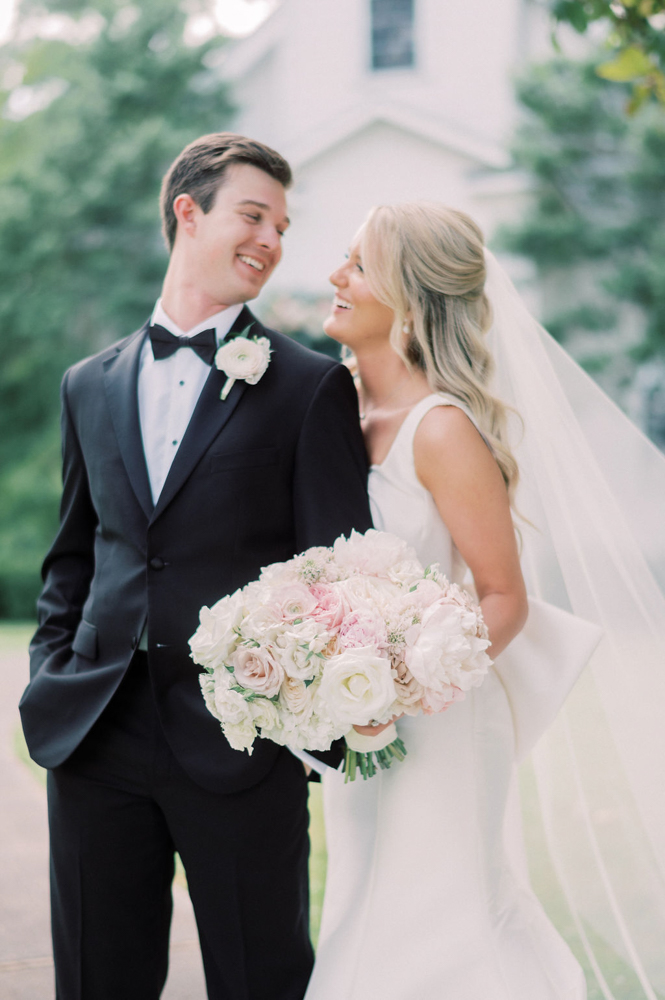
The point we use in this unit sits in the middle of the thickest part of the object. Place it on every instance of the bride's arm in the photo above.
(456, 466)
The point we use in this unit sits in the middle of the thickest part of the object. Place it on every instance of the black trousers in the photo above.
(118, 810)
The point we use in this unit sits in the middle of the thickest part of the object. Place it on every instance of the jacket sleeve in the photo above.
(69, 565)
(330, 481)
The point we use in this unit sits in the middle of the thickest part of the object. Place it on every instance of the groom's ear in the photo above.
(185, 210)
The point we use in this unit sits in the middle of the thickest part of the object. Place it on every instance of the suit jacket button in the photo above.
(157, 563)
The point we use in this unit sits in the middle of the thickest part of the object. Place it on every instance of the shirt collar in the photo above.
(221, 322)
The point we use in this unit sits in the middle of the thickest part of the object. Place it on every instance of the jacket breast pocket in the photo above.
(85, 640)
(251, 458)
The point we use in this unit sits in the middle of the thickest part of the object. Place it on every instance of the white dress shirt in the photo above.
(169, 389)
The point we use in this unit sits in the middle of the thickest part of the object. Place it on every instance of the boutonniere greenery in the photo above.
(245, 358)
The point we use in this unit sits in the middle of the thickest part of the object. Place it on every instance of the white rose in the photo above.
(357, 687)
(244, 359)
(215, 639)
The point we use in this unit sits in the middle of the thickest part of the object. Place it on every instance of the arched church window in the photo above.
(392, 33)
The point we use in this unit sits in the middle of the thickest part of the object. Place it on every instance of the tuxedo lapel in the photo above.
(210, 416)
(121, 386)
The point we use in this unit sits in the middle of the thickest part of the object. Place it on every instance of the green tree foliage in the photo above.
(81, 257)
(636, 39)
(599, 195)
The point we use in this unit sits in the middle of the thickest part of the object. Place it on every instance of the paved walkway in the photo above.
(26, 964)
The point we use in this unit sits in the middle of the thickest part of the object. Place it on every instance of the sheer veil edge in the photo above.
(593, 489)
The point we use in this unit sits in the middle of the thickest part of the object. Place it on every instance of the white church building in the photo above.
(376, 101)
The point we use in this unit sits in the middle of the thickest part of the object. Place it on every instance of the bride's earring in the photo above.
(406, 326)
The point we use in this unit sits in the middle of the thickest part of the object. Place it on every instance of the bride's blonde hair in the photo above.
(426, 262)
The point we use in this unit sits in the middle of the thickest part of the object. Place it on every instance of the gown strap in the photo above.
(403, 443)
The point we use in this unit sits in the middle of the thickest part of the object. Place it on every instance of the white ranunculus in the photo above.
(266, 717)
(317, 731)
(209, 683)
(298, 649)
(232, 711)
(357, 687)
(242, 358)
(262, 623)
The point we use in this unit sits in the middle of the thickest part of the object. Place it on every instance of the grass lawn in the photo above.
(622, 982)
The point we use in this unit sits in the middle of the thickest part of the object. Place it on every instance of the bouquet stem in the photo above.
(366, 761)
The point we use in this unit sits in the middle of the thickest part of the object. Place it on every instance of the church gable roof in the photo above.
(308, 147)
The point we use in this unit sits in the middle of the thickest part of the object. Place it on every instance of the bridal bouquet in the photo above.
(357, 633)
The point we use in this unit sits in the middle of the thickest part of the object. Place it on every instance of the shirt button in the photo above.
(182, 383)
(157, 563)
(174, 442)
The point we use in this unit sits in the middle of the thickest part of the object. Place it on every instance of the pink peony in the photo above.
(361, 628)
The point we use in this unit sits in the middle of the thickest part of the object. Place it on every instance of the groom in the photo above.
(172, 498)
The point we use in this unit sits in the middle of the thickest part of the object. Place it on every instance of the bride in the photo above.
(426, 896)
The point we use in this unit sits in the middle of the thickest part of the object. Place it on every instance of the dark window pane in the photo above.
(392, 33)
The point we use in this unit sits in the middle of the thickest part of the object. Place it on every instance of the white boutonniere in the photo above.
(243, 358)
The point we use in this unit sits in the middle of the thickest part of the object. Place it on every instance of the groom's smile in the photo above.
(229, 252)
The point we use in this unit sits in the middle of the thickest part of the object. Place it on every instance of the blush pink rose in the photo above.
(255, 668)
(331, 606)
(293, 601)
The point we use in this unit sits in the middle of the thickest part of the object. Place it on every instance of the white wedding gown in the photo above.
(422, 901)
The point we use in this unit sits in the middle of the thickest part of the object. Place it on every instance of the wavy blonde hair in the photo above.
(426, 262)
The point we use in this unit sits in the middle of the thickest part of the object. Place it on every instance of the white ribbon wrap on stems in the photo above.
(365, 744)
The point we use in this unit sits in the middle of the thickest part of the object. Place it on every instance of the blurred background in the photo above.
(544, 119)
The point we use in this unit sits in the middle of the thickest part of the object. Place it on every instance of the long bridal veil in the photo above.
(593, 496)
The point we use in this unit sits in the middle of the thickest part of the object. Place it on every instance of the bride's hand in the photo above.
(375, 730)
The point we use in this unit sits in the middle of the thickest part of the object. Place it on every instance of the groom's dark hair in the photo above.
(200, 168)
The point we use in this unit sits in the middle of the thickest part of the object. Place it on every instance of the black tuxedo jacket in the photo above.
(275, 468)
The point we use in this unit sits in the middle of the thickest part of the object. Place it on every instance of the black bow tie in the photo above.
(164, 343)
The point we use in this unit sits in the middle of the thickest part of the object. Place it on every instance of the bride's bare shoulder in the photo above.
(446, 426)
(447, 443)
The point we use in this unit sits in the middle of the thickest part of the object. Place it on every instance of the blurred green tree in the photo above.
(81, 257)
(599, 199)
(636, 40)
